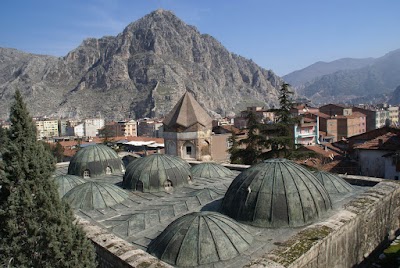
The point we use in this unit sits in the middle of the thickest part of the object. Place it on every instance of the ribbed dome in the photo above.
(333, 183)
(276, 193)
(95, 160)
(94, 195)
(156, 172)
(200, 238)
(210, 170)
(67, 182)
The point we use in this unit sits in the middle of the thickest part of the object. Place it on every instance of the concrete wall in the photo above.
(372, 163)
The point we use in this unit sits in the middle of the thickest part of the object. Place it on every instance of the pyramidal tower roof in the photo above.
(187, 112)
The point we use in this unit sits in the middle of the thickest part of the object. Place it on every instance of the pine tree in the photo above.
(36, 227)
(254, 144)
(281, 141)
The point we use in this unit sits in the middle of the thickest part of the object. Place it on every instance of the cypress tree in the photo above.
(36, 227)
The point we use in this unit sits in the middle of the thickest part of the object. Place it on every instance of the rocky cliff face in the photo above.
(141, 72)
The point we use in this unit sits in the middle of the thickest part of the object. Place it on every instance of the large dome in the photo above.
(210, 170)
(94, 161)
(276, 193)
(333, 183)
(200, 238)
(157, 172)
(67, 182)
(95, 195)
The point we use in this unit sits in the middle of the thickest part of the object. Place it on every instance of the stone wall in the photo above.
(113, 251)
(345, 239)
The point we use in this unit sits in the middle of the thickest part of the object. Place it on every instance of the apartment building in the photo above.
(47, 128)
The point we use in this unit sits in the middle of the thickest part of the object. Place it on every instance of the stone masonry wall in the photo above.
(346, 238)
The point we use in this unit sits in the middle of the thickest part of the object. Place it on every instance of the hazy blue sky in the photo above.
(282, 35)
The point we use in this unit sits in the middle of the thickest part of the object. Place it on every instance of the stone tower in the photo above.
(187, 130)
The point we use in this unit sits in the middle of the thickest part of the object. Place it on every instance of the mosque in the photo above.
(203, 214)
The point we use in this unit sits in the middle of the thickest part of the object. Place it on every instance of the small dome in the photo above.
(333, 183)
(94, 195)
(67, 182)
(200, 238)
(156, 172)
(210, 170)
(276, 193)
(94, 161)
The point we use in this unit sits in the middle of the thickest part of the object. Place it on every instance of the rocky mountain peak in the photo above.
(142, 71)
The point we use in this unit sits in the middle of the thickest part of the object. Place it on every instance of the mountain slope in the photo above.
(378, 78)
(300, 77)
(142, 71)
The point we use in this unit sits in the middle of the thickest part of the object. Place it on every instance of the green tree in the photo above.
(281, 140)
(36, 227)
(58, 152)
(249, 150)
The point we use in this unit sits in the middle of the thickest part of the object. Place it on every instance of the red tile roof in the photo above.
(388, 141)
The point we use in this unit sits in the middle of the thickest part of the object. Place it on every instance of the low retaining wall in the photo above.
(345, 239)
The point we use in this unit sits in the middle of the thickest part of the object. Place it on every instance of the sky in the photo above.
(281, 35)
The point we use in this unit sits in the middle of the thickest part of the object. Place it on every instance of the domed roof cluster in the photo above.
(94, 161)
(67, 182)
(333, 183)
(95, 195)
(157, 172)
(200, 238)
(276, 193)
(210, 170)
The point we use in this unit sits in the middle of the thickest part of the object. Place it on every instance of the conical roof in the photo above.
(95, 195)
(210, 170)
(97, 160)
(67, 182)
(276, 193)
(333, 183)
(200, 238)
(156, 172)
(186, 113)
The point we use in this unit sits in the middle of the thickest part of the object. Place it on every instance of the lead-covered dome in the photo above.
(276, 193)
(210, 170)
(94, 161)
(157, 172)
(95, 195)
(200, 238)
(333, 183)
(67, 182)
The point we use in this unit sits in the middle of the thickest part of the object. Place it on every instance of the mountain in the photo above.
(301, 77)
(380, 77)
(142, 71)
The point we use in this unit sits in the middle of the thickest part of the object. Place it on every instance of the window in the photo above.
(168, 185)
(139, 186)
(188, 150)
(108, 171)
(86, 174)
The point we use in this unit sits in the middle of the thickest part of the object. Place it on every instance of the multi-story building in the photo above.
(46, 128)
(122, 128)
(92, 126)
(150, 128)
(306, 132)
(381, 116)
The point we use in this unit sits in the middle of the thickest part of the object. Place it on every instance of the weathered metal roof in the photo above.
(94, 195)
(200, 238)
(187, 112)
(210, 170)
(95, 159)
(276, 193)
(333, 183)
(156, 172)
(67, 182)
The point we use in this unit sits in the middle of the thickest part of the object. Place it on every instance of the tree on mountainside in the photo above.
(36, 227)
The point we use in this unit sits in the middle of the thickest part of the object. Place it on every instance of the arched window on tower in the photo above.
(168, 185)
